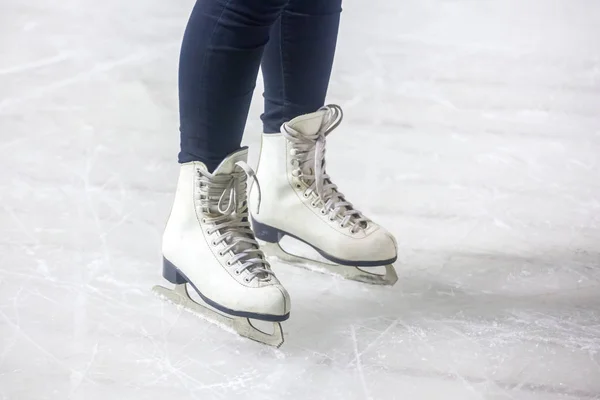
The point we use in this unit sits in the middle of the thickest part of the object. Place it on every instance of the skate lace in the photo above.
(308, 157)
(224, 206)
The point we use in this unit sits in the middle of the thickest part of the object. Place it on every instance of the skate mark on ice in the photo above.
(167, 369)
(88, 188)
(23, 227)
(190, 383)
(38, 138)
(359, 366)
(96, 70)
(9, 345)
(481, 342)
(376, 340)
(163, 363)
(44, 62)
(78, 377)
(421, 335)
(475, 343)
(502, 384)
(42, 349)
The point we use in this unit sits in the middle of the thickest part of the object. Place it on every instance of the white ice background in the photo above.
(472, 132)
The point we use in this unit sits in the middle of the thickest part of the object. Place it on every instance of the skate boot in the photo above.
(300, 200)
(208, 246)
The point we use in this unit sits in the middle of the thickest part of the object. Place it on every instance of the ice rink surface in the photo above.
(472, 132)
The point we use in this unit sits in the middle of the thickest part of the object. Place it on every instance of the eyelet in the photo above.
(306, 194)
(322, 212)
(229, 263)
(214, 243)
(237, 272)
(203, 220)
(246, 280)
(298, 186)
(331, 219)
(221, 254)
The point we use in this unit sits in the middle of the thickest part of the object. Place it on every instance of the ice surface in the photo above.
(472, 131)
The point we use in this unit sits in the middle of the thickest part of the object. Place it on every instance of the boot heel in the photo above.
(266, 233)
(171, 273)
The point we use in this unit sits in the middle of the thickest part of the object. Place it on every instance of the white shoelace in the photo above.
(309, 162)
(224, 205)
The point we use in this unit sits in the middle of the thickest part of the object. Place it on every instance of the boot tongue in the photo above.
(308, 124)
(227, 166)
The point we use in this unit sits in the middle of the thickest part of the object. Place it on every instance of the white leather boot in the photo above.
(300, 200)
(208, 244)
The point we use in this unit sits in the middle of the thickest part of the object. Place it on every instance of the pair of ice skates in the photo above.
(209, 244)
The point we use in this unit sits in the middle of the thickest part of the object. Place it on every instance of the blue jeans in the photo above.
(224, 44)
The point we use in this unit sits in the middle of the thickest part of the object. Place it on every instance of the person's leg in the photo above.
(220, 57)
(297, 61)
(297, 197)
(208, 245)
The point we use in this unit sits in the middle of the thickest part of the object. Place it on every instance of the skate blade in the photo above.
(238, 325)
(347, 272)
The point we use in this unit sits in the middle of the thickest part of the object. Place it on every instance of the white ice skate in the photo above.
(209, 245)
(299, 200)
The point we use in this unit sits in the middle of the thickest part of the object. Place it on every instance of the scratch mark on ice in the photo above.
(86, 75)
(34, 65)
(41, 348)
(78, 376)
(381, 334)
(359, 367)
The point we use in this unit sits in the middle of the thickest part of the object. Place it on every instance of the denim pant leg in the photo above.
(220, 57)
(297, 61)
